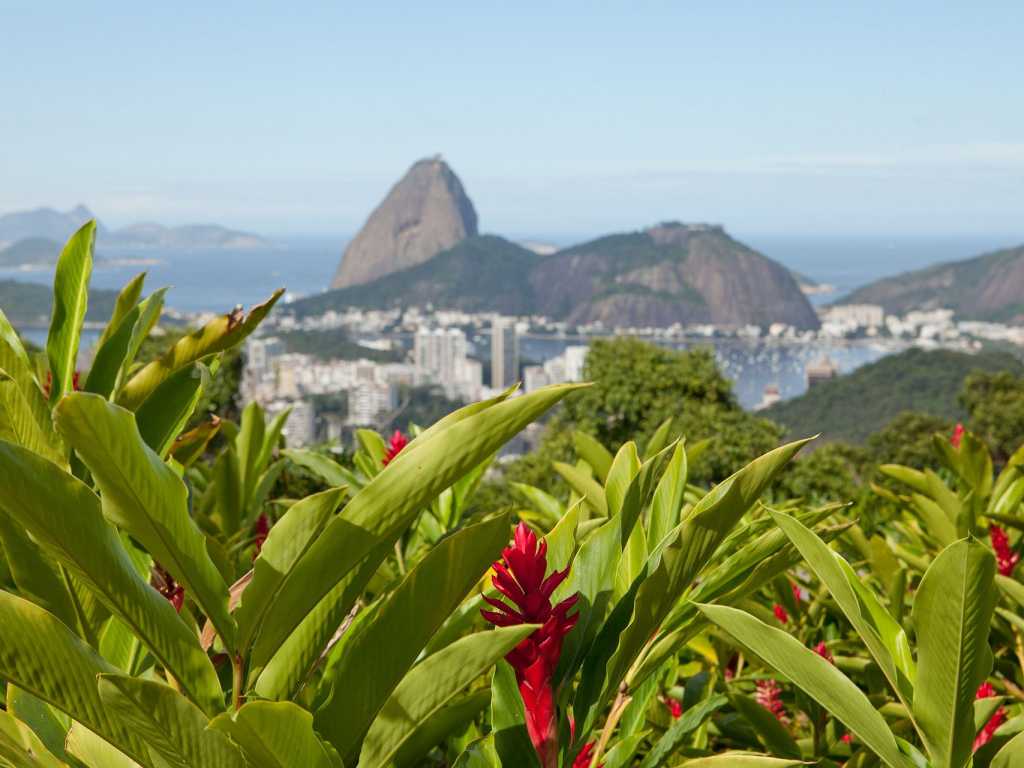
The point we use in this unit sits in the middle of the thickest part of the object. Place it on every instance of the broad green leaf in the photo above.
(668, 497)
(250, 448)
(35, 575)
(548, 506)
(691, 720)
(39, 654)
(189, 446)
(63, 516)
(172, 726)
(952, 614)
(876, 627)
(1011, 755)
(127, 299)
(329, 470)
(818, 678)
(216, 336)
(164, 415)
(739, 760)
(430, 685)
(382, 651)
(15, 362)
(18, 422)
(94, 751)
(146, 498)
(110, 356)
(70, 300)
(620, 477)
(46, 722)
(387, 505)
(149, 312)
(592, 452)
(479, 754)
(585, 485)
(21, 748)
(443, 723)
(287, 541)
(770, 731)
(276, 734)
(659, 439)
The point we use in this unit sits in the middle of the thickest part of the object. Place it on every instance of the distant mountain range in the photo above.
(420, 247)
(856, 405)
(33, 234)
(986, 287)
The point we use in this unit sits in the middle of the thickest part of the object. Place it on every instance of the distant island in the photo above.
(27, 237)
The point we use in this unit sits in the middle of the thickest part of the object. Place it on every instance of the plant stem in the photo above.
(622, 700)
(237, 681)
(400, 557)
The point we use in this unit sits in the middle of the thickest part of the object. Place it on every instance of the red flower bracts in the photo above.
(957, 436)
(262, 530)
(769, 696)
(1006, 558)
(395, 445)
(674, 707)
(585, 756)
(520, 576)
(780, 613)
(986, 691)
(165, 584)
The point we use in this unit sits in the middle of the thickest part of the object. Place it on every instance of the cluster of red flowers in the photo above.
(769, 696)
(49, 383)
(986, 691)
(957, 436)
(780, 613)
(675, 708)
(585, 756)
(1006, 558)
(395, 445)
(520, 576)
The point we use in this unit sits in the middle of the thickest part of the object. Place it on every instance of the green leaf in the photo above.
(952, 614)
(127, 299)
(70, 300)
(548, 506)
(18, 422)
(35, 575)
(432, 684)
(63, 516)
(274, 734)
(15, 362)
(592, 452)
(624, 468)
(387, 505)
(739, 760)
(94, 751)
(1011, 755)
(149, 312)
(146, 498)
(688, 722)
(40, 655)
(445, 722)
(382, 651)
(479, 754)
(815, 676)
(585, 485)
(769, 730)
(326, 468)
(287, 541)
(110, 356)
(21, 748)
(668, 497)
(879, 631)
(164, 415)
(172, 726)
(216, 336)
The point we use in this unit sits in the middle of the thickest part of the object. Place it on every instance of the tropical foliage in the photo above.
(167, 600)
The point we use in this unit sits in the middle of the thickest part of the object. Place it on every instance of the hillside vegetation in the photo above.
(852, 407)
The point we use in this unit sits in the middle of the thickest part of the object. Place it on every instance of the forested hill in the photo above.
(986, 287)
(30, 303)
(854, 406)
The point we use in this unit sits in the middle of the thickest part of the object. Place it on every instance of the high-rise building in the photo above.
(440, 355)
(504, 353)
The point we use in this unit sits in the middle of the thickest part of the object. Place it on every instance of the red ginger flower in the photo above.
(769, 696)
(822, 650)
(957, 436)
(780, 613)
(519, 576)
(395, 445)
(262, 530)
(674, 707)
(987, 691)
(585, 756)
(1006, 558)
(165, 584)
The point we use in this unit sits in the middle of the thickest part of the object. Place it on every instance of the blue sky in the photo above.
(561, 118)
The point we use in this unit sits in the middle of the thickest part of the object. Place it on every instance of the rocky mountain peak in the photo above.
(426, 212)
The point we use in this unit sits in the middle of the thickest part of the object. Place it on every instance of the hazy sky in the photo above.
(560, 118)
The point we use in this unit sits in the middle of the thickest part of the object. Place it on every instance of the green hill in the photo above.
(33, 251)
(479, 274)
(986, 287)
(852, 407)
